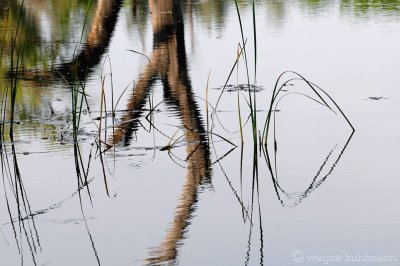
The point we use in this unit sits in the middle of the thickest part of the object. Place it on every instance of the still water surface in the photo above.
(167, 180)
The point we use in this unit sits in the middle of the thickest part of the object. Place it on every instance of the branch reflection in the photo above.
(98, 39)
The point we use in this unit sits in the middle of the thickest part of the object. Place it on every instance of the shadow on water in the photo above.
(168, 63)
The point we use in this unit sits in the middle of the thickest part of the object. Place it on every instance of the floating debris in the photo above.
(166, 148)
(241, 87)
(376, 98)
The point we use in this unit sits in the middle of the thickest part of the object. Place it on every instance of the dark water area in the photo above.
(199, 132)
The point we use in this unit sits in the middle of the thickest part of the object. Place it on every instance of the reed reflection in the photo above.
(325, 156)
(329, 163)
(22, 222)
(168, 63)
(78, 69)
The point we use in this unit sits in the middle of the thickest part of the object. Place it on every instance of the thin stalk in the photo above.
(240, 119)
(252, 98)
(207, 117)
(255, 77)
(238, 96)
(102, 102)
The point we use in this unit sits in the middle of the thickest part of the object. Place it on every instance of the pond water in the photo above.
(143, 133)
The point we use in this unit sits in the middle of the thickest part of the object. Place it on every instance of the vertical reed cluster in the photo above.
(18, 207)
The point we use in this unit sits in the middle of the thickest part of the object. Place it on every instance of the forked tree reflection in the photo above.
(168, 63)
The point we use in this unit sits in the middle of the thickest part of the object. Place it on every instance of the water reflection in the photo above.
(47, 31)
(22, 221)
(52, 31)
(47, 42)
(290, 198)
(370, 8)
(18, 26)
(213, 14)
(98, 39)
(168, 63)
(309, 139)
(276, 13)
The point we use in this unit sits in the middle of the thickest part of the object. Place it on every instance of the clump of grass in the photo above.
(79, 103)
(103, 108)
(78, 97)
(16, 61)
(21, 218)
(251, 99)
(319, 95)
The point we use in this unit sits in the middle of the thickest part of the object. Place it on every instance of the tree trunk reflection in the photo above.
(168, 62)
